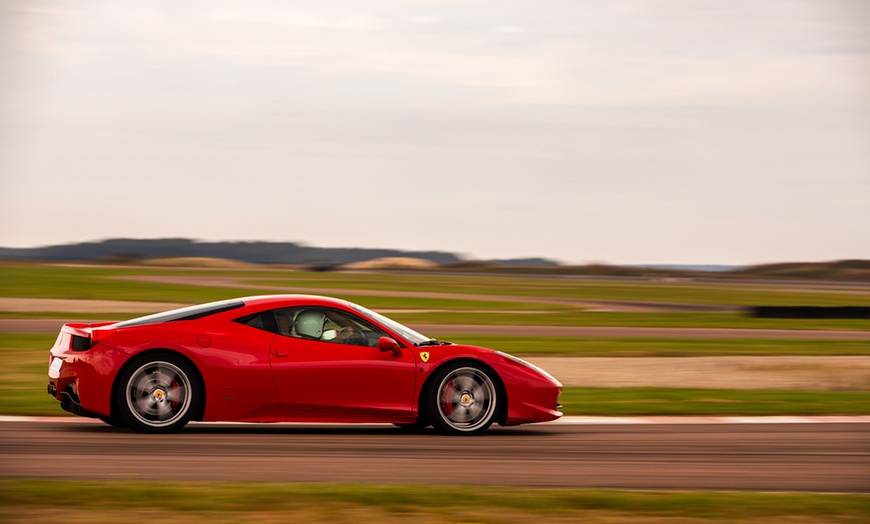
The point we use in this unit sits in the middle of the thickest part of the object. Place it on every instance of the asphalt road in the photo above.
(781, 457)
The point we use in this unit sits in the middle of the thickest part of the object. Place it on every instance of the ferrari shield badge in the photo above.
(424, 356)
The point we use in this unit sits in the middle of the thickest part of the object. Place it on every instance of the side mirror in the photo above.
(388, 344)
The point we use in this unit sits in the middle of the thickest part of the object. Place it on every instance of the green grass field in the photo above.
(23, 358)
(29, 500)
(713, 402)
(737, 294)
(39, 280)
(46, 281)
(727, 320)
(657, 347)
(24, 363)
(576, 318)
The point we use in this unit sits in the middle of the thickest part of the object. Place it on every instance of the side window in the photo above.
(326, 325)
(264, 321)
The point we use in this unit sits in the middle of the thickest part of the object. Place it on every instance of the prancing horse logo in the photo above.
(424, 356)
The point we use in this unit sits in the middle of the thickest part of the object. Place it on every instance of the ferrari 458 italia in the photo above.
(289, 358)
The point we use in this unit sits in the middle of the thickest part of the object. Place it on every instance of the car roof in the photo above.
(288, 300)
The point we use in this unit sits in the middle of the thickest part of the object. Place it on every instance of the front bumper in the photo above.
(527, 405)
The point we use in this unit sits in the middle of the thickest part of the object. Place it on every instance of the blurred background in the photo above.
(663, 203)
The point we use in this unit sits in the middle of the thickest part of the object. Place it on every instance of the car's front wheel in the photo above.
(420, 424)
(462, 400)
(158, 394)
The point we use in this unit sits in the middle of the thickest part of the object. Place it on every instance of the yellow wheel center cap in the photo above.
(159, 394)
(466, 399)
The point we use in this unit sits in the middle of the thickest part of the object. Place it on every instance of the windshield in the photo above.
(414, 337)
(185, 313)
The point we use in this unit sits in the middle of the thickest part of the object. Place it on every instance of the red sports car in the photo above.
(289, 358)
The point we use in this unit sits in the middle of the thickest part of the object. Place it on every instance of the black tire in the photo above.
(112, 421)
(420, 424)
(157, 393)
(462, 399)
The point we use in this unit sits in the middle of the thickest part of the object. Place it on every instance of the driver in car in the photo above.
(311, 325)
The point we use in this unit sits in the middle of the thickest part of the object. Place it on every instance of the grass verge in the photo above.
(42, 280)
(25, 500)
(440, 312)
(659, 347)
(30, 398)
(725, 320)
(48, 281)
(24, 364)
(712, 402)
(686, 292)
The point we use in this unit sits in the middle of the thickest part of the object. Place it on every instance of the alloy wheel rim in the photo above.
(158, 394)
(466, 399)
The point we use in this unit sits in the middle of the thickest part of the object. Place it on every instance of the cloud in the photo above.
(298, 19)
(577, 130)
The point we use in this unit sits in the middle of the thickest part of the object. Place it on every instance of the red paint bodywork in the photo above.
(257, 376)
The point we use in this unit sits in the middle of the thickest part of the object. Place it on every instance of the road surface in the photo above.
(819, 456)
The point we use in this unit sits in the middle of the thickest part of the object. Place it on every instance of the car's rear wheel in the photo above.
(158, 394)
(462, 400)
(112, 421)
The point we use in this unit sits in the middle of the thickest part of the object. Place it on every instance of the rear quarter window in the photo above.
(185, 313)
(264, 320)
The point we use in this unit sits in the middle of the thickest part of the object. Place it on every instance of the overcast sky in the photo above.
(683, 131)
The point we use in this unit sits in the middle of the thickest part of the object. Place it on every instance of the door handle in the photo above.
(280, 354)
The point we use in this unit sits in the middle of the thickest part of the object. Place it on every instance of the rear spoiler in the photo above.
(84, 336)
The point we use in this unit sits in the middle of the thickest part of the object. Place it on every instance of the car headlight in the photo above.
(527, 364)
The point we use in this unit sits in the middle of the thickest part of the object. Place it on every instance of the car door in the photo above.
(314, 376)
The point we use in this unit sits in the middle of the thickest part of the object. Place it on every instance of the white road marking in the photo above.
(571, 421)
(821, 419)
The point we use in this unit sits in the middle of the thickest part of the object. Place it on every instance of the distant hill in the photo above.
(130, 250)
(847, 270)
(524, 262)
(126, 250)
(712, 268)
(844, 271)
